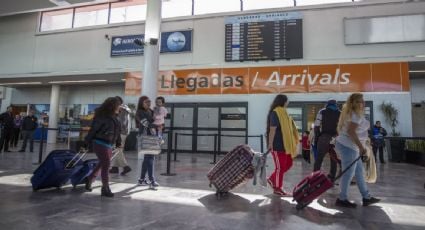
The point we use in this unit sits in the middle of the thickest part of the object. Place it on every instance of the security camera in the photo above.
(153, 41)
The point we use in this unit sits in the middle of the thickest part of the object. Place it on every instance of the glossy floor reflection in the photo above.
(185, 201)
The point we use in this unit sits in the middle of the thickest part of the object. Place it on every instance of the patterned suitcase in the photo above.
(231, 171)
(315, 185)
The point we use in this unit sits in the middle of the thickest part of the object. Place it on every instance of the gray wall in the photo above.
(417, 87)
(87, 51)
(69, 95)
(26, 53)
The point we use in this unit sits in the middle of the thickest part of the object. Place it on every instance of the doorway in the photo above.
(194, 120)
(304, 113)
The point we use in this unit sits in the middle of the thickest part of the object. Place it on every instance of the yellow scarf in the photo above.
(289, 131)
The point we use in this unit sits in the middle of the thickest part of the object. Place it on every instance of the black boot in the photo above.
(126, 170)
(114, 170)
(88, 184)
(106, 191)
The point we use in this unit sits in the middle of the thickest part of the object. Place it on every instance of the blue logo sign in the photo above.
(124, 45)
(178, 41)
(171, 42)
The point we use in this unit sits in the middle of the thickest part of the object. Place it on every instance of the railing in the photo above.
(169, 144)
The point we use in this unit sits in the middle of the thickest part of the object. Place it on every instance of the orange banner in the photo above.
(133, 83)
(376, 77)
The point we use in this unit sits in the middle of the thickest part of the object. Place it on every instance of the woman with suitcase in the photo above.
(282, 140)
(103, 134)
(350, 144)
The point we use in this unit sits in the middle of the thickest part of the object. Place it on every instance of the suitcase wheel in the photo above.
(220, 195)
(299, 206)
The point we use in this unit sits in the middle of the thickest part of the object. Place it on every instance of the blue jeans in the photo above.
(147, 166)
(348, 155)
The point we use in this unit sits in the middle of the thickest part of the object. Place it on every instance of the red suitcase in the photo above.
(314, 185)
(231, 171)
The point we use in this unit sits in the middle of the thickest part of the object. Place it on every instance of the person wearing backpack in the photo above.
(325, 129)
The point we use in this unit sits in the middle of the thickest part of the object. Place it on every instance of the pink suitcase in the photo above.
(233, 170)
(314, 185)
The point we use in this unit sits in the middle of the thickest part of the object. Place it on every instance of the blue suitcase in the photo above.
(56, 169)
(80, 176)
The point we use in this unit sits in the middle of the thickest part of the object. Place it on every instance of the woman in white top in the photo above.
(353, 133)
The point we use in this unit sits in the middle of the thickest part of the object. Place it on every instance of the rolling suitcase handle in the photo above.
(115, 152)
(77, 158)
(345, 170)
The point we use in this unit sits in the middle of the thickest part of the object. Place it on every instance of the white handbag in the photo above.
(148, 144)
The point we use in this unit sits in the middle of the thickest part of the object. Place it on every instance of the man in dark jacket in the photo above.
(377, 134)
(325, 128)
(6, 120)
(29, 124)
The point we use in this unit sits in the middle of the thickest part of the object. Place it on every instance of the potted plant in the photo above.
(415, 151)
(396, 144)
(391, 116)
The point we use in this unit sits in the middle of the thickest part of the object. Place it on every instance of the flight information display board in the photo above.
(266, 36)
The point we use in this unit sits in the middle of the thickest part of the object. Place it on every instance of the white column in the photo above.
(151, 52)
(6, 101)
(53, 114)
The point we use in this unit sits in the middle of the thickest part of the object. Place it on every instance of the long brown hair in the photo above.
(351, 106)
(279, 100)
(108, 107)
(142, 100)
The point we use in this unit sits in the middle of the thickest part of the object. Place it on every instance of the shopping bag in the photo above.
(148, 144)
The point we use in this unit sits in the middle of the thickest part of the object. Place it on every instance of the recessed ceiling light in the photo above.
(22, 83)
(76, 81)
(60, 2)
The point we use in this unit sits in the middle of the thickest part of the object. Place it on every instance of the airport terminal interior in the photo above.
(230, 114)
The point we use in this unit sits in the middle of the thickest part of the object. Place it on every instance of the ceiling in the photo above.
(11, 7)
(107, 78)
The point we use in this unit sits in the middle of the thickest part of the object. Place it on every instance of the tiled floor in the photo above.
(185, 201)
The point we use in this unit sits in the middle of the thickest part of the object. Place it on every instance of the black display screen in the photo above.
(263, 40)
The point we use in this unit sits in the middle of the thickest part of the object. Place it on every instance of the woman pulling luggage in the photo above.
(103, 134)
(282, 140)
(350, 144)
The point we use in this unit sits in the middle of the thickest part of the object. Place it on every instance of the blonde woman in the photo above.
(353, 134)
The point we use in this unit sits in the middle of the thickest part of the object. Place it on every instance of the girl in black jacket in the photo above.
(104, 133)
(144, 120)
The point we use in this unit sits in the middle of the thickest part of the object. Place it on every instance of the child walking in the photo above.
(306, 146)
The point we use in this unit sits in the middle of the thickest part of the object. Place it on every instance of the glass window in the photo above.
(128, 11)
(216, 6)
(56, 20)
(318, 2)
(176, 8)
(261, 4)
(91, 15)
